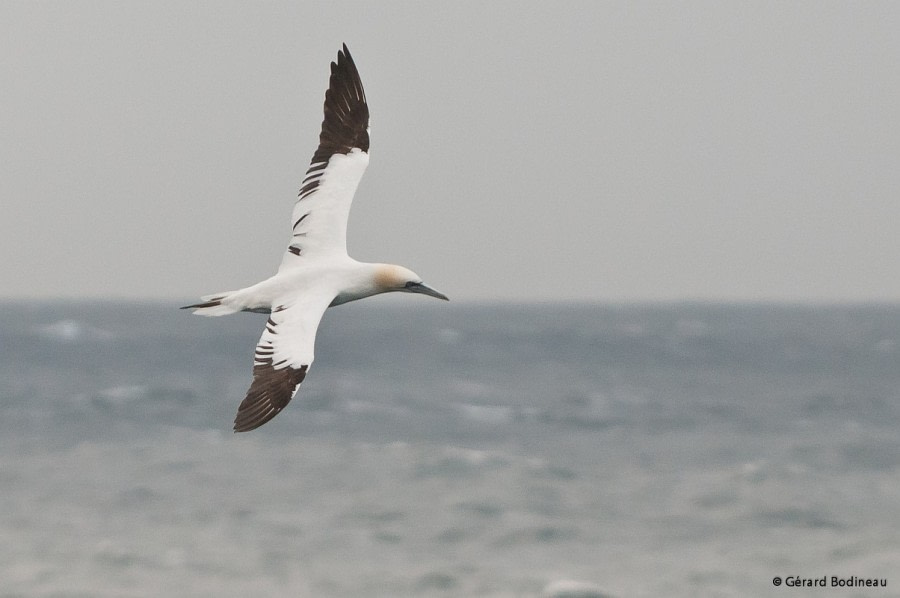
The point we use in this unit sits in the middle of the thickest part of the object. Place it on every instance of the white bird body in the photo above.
(315, 273)
(344, 278)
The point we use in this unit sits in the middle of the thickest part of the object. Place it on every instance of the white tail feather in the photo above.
(218, 304)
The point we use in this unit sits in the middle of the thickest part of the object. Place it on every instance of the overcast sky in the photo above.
(520, 151)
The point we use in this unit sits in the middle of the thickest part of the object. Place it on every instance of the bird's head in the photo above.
(397, 278)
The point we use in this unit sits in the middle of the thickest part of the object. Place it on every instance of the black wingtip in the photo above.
(346, 122)
(272, 389)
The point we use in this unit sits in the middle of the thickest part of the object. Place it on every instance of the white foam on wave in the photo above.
(124, 394)
(565, 588)
(73, 330)
(487, 414)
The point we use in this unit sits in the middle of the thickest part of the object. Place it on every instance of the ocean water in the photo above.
(453, 450)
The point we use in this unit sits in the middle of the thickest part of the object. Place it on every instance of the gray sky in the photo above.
(543, 151)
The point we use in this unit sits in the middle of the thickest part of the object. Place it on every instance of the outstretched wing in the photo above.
(282, 359)
(319, 220)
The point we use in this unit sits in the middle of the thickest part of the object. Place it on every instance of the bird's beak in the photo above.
(427, 290)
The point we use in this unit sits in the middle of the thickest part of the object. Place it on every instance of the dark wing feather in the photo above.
(346, 123)
(272, 389)
(283, 356)
(319, 218)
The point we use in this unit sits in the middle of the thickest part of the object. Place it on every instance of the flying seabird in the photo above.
(315, 273)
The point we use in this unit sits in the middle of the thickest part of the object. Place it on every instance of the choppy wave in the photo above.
(470, 451)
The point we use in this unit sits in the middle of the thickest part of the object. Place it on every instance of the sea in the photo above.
(471, 450)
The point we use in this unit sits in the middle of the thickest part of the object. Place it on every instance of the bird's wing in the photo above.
(283, 356)
(319, 220)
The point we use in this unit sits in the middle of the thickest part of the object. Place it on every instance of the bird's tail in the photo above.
(218, 304)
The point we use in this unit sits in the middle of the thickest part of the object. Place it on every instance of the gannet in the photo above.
(315, 273)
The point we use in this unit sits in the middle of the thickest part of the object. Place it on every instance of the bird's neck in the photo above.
(367, 280)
